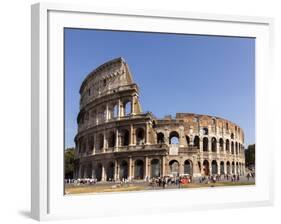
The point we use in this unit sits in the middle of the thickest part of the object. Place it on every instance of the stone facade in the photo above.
(117, 140)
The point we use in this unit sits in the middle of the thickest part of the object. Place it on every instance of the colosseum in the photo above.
(116, 140)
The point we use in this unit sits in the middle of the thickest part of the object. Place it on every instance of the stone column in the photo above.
(209, 144)
(146, 167)
(119, 108)
(116, 140)
(147, 133)
(224, 167)
(102, 173)
(79, 171)
(104, 141)
(219, 167)
(218, 146)
(163, 166)
(210, 168)
(132, 140)
(106, 113)
(115, 170)
(130, 168)
(201, 144)
(133, 105)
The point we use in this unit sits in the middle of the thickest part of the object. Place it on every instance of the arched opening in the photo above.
(222, 167)
(100, 142)
(214, 167)
(237, 168)
(174, 138)
(111, 139)
(110, 171)
(205, 144)
(174, 167)
(187, 140)
(160, 138)
(233, 168)
(140, 136)
(232, 148)
(214, 144)
(188, 167)
(155, 168)
(221, 144)
(123, 174)
(236, 148)
(125, 137)
(227, 145)
(196, 142)
(205, 131)
(139, 169)
(99, 172)
(115, 111)
(127, 108)
(232, 136)
(89, 171)
(206, 168)
(228, 167)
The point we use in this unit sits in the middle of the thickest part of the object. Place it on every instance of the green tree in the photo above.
(69, 163)
(250, 155)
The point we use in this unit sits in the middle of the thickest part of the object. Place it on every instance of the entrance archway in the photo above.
(188, 167)
(155, 168)
(214, 167)
(123, 170)
(174, 167)
(206, 168)
(138, 169)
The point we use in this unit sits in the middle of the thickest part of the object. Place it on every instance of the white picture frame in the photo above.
(48, 200)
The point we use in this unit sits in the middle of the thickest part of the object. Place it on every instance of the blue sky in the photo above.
(175, 73)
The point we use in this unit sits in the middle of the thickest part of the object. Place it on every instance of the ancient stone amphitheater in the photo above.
(117, 140)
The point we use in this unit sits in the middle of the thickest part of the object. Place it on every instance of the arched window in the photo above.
(174, 138)
(188, 167)
(100, 141)
(127, 108)
(111, 139)
(160, 138)
(222, 167)
(236, 148)
(139, 168)
(206, 168)
(115, 111)
(155, 168)
(125, 137)
(227, 145)
(221, 144)
(140, 136)
(123, 174)
(214, 167)
(205, 131)
(232, 136)
(232, 148)
(110, 171)
(205, 144)
(196, 142)
(214, 144)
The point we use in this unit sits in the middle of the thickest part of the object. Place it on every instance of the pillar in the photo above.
(133, 105)
(201, 144)
(219, 167)
(146, 167)
(104, 141)
(163, 166)
(119, 108)
(130, 168)
(116, 140)
(132, 136)
(147, 133)
(106, 113)
(209, 144)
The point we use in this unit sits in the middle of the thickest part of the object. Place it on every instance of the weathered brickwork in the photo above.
(117, 140)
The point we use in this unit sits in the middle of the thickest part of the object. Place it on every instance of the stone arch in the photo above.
(214, 144)
(205, 144)
(188, 168)
(221, 144)
(206, 168)
(140, 136)
(196, 142)
(127, 105)
(155, 168)
(228, 167)
(160, 138)
(205, 131)
(174, 137)
(232, 136)
(232, 147)
(125, 137)
(222, 167)
(236, 148)
(214, 167)
(100, 141)
(110, 171)
(111, 139)
(139, 169)
(227, 145)
(123, 173)
(174, 167)
(98, 172)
